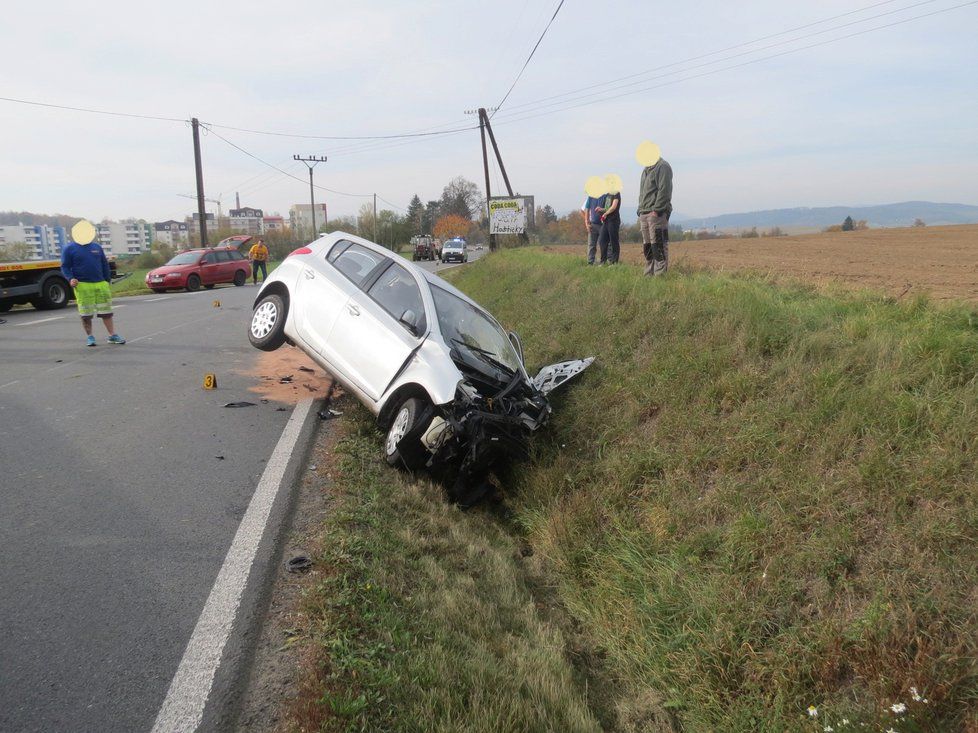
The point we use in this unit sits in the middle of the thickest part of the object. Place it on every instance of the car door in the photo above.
(324, 288)
(369, 340)
(209, 269)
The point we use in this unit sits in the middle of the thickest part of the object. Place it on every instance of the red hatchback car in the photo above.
(196, 267)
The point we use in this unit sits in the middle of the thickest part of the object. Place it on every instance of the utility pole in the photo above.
(312, 159)
(200, 183)
(485, 166)
(375, 217)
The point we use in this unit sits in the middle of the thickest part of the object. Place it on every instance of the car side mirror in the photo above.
(410, 319)
(202, 260)
(514, 339)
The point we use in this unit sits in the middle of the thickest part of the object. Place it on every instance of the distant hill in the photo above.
(885, 215)
(12, 218)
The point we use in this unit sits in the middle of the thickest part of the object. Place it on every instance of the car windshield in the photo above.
(185, 258)
(464, 325)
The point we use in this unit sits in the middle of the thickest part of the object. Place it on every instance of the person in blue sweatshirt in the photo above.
(84, 265)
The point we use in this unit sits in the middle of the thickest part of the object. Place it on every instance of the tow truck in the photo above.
(39, 283)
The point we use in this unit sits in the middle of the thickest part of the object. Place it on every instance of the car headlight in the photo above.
(174, 274)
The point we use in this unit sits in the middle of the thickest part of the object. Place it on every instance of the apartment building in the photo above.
(300, 218)
(124, 237)
(173, 233)
(274, 224)
(44, 242)
(247, 220)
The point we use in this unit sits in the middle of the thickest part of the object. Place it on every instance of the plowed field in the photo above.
(939, 261)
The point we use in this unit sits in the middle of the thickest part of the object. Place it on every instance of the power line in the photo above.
(526, 63)
(515, 118)
(286, 173)
(92, 111)
(713, 53)
(396, 136)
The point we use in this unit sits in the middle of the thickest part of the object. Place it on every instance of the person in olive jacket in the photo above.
(654, 208)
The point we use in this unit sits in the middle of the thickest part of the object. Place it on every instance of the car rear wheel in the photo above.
(267, 329)
(239, 278)
(405, 420)
(193, 283)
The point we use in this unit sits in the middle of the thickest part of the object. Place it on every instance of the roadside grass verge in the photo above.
(760, 498)
(419, 617)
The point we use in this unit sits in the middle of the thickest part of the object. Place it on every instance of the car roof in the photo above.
(433, 279)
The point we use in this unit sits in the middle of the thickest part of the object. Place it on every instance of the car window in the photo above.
(222, 256)
(397, 291)
(357, 262)
(235, 255)
(338, 249)
(210, 258)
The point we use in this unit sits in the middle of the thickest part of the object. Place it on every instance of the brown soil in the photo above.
(272, 366)
(939, 261)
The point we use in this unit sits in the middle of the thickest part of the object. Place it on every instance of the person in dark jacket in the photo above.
(654, 209)
(85, 267)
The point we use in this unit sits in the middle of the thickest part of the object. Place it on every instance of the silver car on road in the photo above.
(446, 382)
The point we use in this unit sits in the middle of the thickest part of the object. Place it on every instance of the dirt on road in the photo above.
(939, 261)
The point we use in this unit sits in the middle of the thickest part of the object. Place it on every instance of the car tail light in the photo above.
(301, 251)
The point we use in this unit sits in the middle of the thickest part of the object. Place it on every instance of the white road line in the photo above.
(153, 300)
(183, 708)
(43, 320)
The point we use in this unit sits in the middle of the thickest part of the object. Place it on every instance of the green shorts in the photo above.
(93, 299)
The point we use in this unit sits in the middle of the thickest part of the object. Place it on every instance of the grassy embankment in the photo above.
(760, 498)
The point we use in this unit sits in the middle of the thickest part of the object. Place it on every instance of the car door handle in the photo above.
(310, 274)
(354, 310)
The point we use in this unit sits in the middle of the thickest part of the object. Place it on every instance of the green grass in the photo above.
(421, 618)
(760, 497)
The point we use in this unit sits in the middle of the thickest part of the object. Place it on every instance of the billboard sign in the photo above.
(510, 215)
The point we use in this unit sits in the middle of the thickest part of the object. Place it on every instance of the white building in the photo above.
(124, 237)
(247, 220)
(274, 224)
(300, 218)
(193, 224)
(44, 242)
(173, 233)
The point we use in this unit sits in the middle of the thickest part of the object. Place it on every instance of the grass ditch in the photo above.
(421, 618)
(761, 498)
(759, 502)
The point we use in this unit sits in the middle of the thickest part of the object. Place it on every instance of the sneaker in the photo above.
(114, 339)
(90, 341)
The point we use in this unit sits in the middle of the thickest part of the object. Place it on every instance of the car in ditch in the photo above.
(194, 268)
(443, 378)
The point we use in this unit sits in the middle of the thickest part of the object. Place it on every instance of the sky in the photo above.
(879, 117)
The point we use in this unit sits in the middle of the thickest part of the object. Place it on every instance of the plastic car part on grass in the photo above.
(551, 377)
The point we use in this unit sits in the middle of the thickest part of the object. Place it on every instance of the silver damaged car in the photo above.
(446, 382)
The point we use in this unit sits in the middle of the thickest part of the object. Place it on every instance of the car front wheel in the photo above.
(193, 283)
(405, 420)
(267, 329)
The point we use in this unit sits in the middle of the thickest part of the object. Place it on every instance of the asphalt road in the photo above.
(123, 485)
